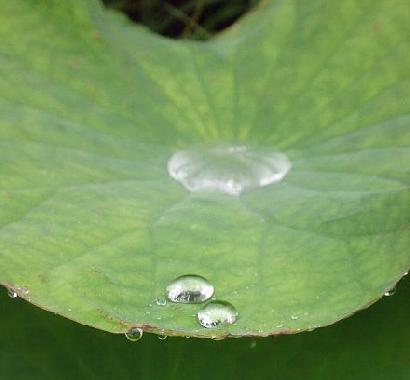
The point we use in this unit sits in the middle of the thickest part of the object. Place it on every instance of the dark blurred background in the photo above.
(193, 19)
(374, 344)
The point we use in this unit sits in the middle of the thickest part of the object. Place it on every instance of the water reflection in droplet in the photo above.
(216, 313)
(189, 289)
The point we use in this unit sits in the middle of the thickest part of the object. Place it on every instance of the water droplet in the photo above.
(12, 293)
(22, 290)
(252, 344)
(161, 301)
(294, 317)
(228, 169)
(279, 326)
(162, 337)
(390, 292)
(216, 313)
(189, 288)
(134, 334)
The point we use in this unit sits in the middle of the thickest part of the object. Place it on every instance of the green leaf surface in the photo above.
(91, 108)
(374, 344)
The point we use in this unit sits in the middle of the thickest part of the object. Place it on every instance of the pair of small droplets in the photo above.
(194, 289)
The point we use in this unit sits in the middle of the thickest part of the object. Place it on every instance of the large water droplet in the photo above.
(134, 334)
(190, 288)
(228, 169)
(216, 313)
(12, 293)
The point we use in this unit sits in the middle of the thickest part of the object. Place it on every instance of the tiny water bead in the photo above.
(17, 291)
(12, 293)
(189, 288)
(216, 313)
(161, 301)
(390, 292)
(228, 169)
(134, 334)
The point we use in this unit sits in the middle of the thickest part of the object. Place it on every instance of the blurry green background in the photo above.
(34, 344)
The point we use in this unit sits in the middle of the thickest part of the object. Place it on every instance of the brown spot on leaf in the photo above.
(96, 35)
(74, 62)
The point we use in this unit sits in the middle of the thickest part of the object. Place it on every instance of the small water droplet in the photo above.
(134, 334)
(252, 344)
(161, 301)
(279, 326)
(216, 313)
(12, 293)
(390, 292)
(189, 289)
(162, 337)
(294, 317)
(228, 169)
